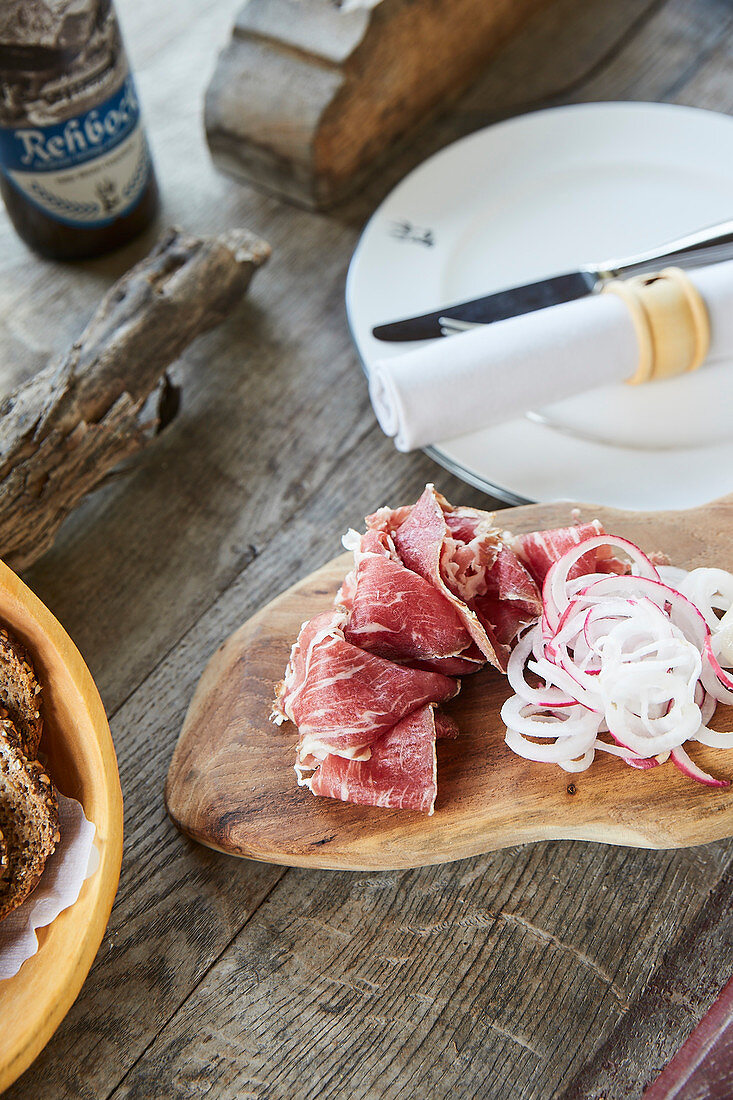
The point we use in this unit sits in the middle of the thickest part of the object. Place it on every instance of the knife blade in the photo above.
(492, 307)
(710, 245)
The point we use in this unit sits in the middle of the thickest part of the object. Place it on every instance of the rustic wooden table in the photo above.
(552, 970)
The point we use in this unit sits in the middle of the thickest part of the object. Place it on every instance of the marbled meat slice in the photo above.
(460, 551)
(343, 699)
(401, 773)
(471, 660)
(540, 549)
(511, 601)
(371, 542)
(397, 614)
(421, 541)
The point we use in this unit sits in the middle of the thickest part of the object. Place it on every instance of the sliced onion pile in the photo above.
(640, 658)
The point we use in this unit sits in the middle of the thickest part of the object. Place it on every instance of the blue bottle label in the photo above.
(86, 171)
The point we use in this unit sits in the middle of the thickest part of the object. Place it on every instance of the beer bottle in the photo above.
(75, 170)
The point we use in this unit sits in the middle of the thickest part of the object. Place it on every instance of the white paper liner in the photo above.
(76, 858)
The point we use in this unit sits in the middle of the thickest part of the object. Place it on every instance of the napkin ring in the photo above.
(671, 323)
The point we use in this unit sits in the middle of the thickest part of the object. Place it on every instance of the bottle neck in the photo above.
(76, 60)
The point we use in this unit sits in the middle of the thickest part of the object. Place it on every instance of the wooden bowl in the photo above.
(82, 764)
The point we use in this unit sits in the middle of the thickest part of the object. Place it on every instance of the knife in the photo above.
(710, 245)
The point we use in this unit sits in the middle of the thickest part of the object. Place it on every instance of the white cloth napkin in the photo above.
(75, 859)
(458, 384)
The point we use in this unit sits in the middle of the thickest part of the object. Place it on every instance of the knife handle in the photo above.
(706, 246)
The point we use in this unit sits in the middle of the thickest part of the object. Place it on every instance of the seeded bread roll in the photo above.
(20, 692)
(29, 819)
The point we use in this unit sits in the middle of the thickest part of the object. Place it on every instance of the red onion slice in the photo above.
(682, 761)
(629, 654)
(557, 576)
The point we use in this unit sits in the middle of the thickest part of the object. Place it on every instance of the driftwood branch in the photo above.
(63, 431)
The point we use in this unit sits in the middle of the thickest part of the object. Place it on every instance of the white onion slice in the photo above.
(555, 586)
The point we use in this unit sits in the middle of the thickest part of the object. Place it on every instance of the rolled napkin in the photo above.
(490, 374)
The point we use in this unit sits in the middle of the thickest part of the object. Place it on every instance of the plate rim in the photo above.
(631, 107)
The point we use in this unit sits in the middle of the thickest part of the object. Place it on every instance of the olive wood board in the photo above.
(231, 783)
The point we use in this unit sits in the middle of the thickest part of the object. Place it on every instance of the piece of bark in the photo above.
(66, 428)
(310, 96)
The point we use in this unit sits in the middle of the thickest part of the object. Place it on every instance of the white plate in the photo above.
(532, 197)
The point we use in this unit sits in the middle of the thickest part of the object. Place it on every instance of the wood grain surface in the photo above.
(703, 1068)
(231, 783)
(506, 975)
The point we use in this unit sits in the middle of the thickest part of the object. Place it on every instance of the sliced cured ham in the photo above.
(426, 546)
(445, 726)
(435, 592)
(341, 698)
(540, 549)
(371, 542)
(397, 614)
(401, 773)
(511, 601)
(509, 580)
(462, 554)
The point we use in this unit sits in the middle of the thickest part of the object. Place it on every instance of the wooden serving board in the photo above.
(232, 787)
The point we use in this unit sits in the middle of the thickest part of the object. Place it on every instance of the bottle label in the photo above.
(85, 171)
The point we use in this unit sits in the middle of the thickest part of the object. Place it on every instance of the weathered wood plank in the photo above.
(665, 53)
(480, 981)
(689, 978)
